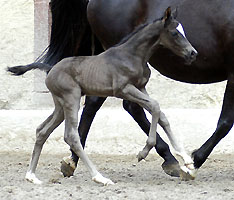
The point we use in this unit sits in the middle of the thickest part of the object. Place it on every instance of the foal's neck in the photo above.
(143, 43)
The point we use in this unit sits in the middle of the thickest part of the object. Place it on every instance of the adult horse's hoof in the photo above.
(68, 167)
(172, 169)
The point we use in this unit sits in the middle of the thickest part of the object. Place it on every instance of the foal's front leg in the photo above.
(131, 93)
(92, 105)
(170, 164)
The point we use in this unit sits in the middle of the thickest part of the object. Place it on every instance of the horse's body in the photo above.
(209, 26)
(120, 71)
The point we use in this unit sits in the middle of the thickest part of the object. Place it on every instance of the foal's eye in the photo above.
(174, 33)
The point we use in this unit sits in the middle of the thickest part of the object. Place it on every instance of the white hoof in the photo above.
(101, 179)
(188, 172)
(31, 177)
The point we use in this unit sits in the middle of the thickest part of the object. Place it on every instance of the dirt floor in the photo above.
(112, 145)
(144, 180)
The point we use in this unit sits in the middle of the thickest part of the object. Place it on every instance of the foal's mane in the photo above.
(135, 31)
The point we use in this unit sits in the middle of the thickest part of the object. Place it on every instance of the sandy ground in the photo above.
(145, 180)
(112, 145)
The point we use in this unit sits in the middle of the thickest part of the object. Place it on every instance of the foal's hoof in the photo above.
(187, 174)
(101, 179)
(68, 167)
(31, 177)
(172, 169)
(142, 155)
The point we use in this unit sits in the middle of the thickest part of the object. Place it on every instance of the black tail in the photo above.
(71, 34)
(19, 70)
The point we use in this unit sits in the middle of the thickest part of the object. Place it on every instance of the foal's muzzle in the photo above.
(191, 56)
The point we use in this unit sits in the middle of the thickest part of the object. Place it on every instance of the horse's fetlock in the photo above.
(151, 142)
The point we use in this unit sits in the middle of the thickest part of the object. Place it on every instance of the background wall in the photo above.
(19, 45)
(16, 47)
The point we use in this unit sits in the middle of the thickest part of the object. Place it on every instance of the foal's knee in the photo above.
(155, 108)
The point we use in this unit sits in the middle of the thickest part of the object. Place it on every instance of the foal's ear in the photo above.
(167, 16)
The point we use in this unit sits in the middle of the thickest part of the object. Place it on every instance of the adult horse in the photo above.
(209, 27)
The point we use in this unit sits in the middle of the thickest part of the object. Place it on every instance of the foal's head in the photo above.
(173, 37)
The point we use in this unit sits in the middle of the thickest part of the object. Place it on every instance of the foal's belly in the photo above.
(96, 85)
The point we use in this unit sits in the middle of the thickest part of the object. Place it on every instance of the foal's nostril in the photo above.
(193, 53)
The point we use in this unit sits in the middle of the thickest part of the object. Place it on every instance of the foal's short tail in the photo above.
(19, 70)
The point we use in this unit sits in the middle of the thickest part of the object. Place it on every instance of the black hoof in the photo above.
(66, 169)
(171, 169)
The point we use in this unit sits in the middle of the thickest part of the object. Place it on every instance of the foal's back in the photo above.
(100, 75)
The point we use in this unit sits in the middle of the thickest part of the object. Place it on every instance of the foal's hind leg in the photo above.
(71, 107)
(92, 105)
(42, 133)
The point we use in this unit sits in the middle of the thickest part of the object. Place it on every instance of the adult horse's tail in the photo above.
(71, 34)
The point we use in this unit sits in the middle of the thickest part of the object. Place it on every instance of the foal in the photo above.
(121, 71)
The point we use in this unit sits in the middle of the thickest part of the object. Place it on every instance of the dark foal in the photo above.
(122, 72)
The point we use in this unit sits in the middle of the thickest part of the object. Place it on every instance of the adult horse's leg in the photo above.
(170, 164)
(224, 125)
(92, 105)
